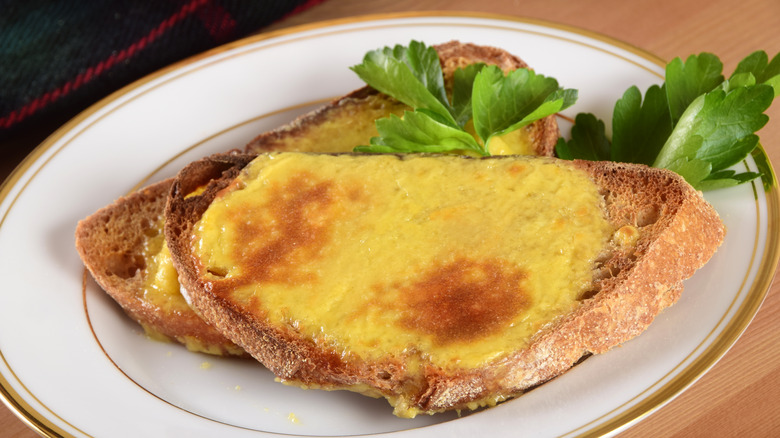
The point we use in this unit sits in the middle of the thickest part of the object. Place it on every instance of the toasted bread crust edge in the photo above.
(680, 232)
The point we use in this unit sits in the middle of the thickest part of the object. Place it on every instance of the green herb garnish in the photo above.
(496, 103)
(697, 123)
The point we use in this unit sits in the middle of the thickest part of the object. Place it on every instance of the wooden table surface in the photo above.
(740, 395)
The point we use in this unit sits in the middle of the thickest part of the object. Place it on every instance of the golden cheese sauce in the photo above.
(454, 260)
(515, 142)
(350, 124)
(162, 283)
(353, 123)
(161, 290)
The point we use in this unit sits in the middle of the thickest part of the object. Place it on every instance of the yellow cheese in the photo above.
(161, 290)
(351, 125)
(162, 284)
(627, 235)
(514, 142)
(449, 260)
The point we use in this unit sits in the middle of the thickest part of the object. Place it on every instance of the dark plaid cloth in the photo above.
(59, 56)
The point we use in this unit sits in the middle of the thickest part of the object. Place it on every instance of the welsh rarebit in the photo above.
(437, 282)
(122, 244)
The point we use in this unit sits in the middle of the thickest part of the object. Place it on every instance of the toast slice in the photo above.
(122, 245)
(265, 286)
(114, 243)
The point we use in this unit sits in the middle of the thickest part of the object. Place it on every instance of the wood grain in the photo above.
(740, 395)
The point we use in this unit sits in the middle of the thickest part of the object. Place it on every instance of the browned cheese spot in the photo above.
(282, 235)
(464, 300)
(516, 168)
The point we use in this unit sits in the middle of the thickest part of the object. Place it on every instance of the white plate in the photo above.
(72, 364)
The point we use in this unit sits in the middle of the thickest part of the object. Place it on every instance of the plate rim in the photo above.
(741, 318)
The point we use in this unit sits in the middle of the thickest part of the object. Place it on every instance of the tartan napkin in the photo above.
(58, 57)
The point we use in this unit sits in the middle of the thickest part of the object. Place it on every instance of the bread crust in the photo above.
(678, 232)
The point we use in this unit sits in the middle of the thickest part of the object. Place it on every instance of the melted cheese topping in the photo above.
(162, 283)
(450, 260)
(350, 124)
(353, 123)
(515, 142)
(162, 291)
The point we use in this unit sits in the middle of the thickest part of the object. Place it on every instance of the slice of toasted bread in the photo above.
(119, 244)
(664, 231)
(115, 254)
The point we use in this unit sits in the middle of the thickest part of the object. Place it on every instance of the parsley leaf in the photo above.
(496, 103)
(410, 74)
(726, 178)
(640, 128)
(687, 81)
(419, 131)
(588, 140)
(756, 66)
(697, 123)
(462, 91)
(503, 103)
(718, 127)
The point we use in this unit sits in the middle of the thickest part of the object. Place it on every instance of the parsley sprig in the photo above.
(697, 123)
(495, 103)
